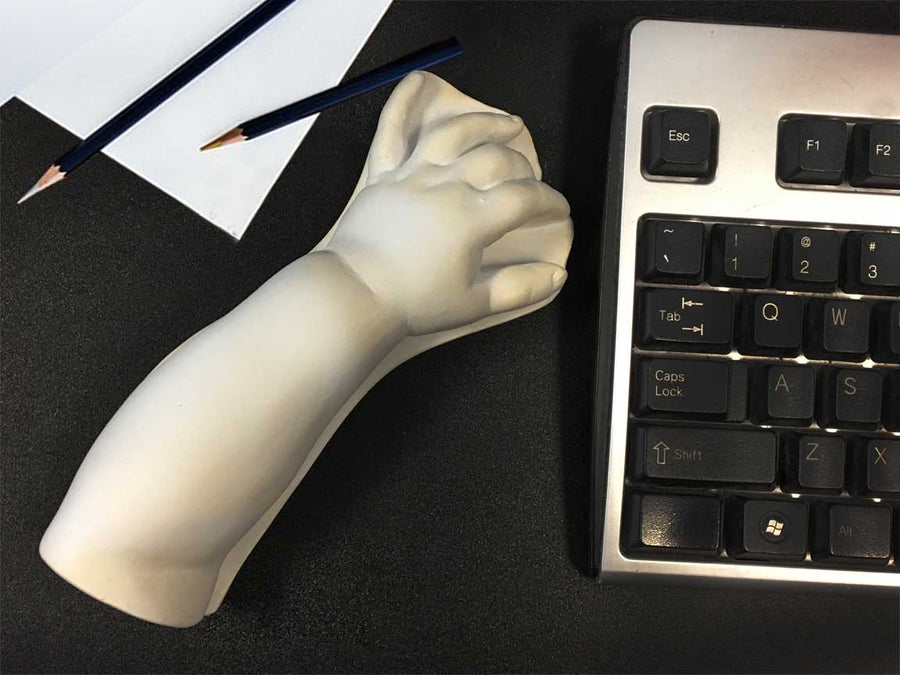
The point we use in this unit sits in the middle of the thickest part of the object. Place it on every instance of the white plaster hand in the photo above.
(416, 234)
(449, 231)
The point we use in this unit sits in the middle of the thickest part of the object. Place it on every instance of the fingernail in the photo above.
(517, 119)
(559, 276)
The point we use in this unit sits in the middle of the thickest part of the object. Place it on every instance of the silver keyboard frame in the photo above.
(750, 76)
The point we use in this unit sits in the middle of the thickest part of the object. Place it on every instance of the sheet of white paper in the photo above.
(35, 35)
(306, 48)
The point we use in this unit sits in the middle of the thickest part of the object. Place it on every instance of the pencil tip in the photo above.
(52, 175)
(33, 191)
(235, 135)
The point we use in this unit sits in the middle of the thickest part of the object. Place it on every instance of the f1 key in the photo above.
(701, 318)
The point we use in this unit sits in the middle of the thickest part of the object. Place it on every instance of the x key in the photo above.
(883, 465)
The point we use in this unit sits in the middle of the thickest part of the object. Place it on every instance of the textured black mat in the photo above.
(445, 527)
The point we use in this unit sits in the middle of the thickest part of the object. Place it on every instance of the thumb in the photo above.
(504, 289)
(391, 143)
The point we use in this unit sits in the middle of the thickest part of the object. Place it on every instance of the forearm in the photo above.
(218, 430)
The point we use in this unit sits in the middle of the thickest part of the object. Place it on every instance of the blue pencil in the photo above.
(159, 93)
(384, 75)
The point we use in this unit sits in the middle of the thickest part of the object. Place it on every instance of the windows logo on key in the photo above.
(774, 527)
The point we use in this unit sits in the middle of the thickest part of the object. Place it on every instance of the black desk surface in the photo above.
(445, 527)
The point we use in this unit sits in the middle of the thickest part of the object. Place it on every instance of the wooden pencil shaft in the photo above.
(171, 83)
(381, 76)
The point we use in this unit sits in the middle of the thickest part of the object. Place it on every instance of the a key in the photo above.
(682, 385)
(855, 534)
(882, 458)
(736, 456)
(851, 397)
(673, 251)
(839, 328)
(741, 255)
(873, 262)
(812, 150)
(677, 522)
(887, 332)
(701, 318)
(767, 529)
(789, 393)
(777, 325)
(680, 142)
(810, 259)
(818, 462)
(876, 156)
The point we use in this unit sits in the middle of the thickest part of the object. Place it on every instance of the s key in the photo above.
(851, 398)
(699, 318)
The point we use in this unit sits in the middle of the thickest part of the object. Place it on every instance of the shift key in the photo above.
(688, 316)
(737, 456)
(684, 386)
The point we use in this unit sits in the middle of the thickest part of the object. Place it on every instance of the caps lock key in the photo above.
(685, 386)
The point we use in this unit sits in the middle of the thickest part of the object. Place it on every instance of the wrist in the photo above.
(338, 274)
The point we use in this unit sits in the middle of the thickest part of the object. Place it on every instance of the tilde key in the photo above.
(688, 317)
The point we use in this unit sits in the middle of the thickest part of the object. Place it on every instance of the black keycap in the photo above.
(839, 328)
(707, 455)
(677, 522)
(789, 393)
(883, 466)
(887, 332)
(892, 400)
(702, 318)
(820, 462)
(768, 530)
(894, 329)
(673, 251)
(856, 534)
(876, 156)
(682, 385)
(777, 322)
(851, 397)
(680, 142)
(879, 261)
(812, 150)
(741, 255)
(810, 258)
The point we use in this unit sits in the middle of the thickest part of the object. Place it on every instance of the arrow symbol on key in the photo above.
(690, 303)
(694, 329)
(660, 452)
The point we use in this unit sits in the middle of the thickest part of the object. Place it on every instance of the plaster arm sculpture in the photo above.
(449, 230)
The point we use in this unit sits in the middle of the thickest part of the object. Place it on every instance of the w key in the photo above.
(839, 328)
(701, 318)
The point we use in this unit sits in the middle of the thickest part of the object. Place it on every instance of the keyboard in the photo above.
(747, 399)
